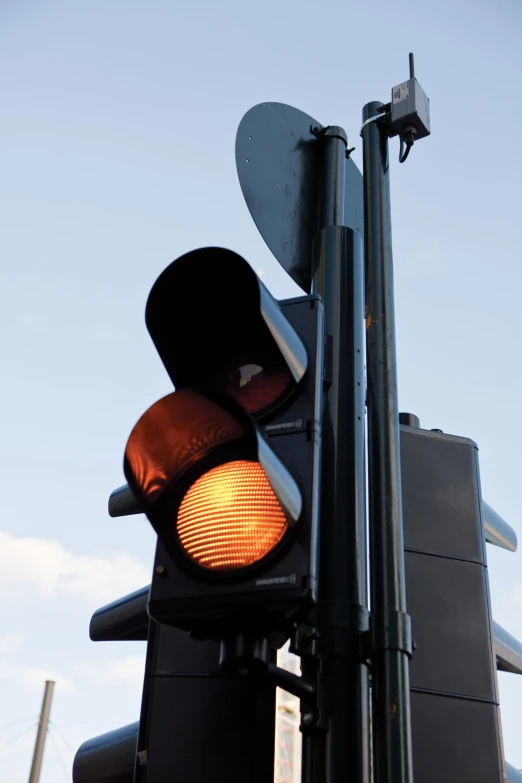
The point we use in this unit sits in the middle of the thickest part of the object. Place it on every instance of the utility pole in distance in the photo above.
(36, 766)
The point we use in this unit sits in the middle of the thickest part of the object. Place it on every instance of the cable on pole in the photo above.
(17, 737)
(58, 753)
(17, 722)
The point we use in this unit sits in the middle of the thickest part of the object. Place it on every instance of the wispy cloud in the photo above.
(45, 566)
(10, 642)
(32, 677)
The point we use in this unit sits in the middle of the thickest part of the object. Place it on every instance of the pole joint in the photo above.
(384, 117)
(391, 631)
(304, 689)
(305, 641)
(331, 132)
(343, 629)
(314, 719)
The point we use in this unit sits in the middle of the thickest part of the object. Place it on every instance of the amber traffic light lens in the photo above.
(230, 517)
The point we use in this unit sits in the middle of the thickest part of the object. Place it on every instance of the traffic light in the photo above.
(192, 722)
(456, 728)
(227, 467)
(111, 757)
(189, 702)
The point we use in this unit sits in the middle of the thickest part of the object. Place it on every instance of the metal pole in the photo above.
(390, 625)
(36, 766)
(342, 610)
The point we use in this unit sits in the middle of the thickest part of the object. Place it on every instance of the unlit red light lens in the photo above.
(257, 389)
(230, 517)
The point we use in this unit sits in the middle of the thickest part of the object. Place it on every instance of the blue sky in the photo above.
(117, 133)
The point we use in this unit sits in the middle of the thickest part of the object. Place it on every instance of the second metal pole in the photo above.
(390, 625)
(342, 612)
(36, 766)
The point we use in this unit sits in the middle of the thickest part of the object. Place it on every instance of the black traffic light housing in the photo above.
(248, 373)
(188, 703)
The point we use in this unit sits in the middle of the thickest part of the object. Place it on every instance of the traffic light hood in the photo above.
(215, 325)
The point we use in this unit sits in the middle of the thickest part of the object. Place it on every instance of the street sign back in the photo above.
(278, 165)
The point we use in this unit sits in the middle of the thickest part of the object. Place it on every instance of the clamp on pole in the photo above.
(375, 118)
(391, 631)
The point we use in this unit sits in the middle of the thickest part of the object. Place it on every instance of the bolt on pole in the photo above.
(36, 766)
(390, 625)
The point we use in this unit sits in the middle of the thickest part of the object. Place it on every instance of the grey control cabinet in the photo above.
(454, 700)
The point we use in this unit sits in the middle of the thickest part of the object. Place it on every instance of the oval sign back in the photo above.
(278, 164)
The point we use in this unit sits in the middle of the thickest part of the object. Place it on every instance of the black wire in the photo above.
(58, 753)
(59, 734)
(18, 736)
(403, 155)
(16, 722)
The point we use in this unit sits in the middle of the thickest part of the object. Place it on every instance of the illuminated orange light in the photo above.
(230, 517)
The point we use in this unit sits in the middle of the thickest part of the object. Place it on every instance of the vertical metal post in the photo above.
(390, 625)
(342, 611)
(412, 65)
(36, 766)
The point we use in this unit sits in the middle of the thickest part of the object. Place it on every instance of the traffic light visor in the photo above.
(230, 518)
(171, 437)
(216, 326)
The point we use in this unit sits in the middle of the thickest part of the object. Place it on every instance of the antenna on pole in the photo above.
(36, 766)
(412, 66)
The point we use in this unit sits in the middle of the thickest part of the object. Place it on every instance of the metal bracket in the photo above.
(299, 686)
(331, 131)
(392, 632)
(385, 119)
(314, 721)
(344, 628)
(328, 361)
(305, 641)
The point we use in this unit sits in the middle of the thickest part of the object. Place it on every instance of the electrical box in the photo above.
(410, 107)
